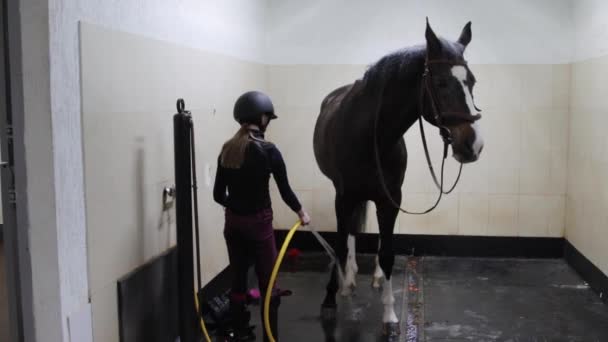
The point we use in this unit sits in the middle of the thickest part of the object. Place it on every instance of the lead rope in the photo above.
(381, 173)
(430, 163)
(426, 152)
(446, 140)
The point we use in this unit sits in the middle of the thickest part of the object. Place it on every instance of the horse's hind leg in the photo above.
(387, 215)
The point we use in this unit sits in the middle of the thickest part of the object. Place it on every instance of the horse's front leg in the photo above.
(344, 214)
(351, 268)
(387, 216)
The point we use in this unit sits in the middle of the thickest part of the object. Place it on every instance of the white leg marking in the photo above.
(388, 299)
(460, 73)
(378, 275)
(351, 267)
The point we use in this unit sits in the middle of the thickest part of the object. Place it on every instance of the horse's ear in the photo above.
(433, 45)
(465, 36)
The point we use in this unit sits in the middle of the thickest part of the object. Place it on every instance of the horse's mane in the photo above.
(405, 63)
(397, 65)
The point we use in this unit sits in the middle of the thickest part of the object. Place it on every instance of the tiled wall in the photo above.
(587, 217)
(517, 188)
(130, 85)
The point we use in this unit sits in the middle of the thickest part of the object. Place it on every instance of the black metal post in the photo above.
(188, 318)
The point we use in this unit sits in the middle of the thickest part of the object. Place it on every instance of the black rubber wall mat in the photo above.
(596, 279)
(442, 245)
(147, 301)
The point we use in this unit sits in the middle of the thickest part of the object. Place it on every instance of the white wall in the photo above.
(360, 31)
(588, 161)
(230, 27)
(590, 29)
(39, 188)
(130, 85)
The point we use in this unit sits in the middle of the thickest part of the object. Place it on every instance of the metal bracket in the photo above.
(168, 197)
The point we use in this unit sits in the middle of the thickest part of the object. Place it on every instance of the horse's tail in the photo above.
(359, 218)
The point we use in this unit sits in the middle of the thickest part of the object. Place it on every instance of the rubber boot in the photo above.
(239, 330)
(273, 316)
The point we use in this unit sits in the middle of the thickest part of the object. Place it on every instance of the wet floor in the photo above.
(447, 299)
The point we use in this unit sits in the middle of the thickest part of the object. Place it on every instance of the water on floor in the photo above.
(447, 299)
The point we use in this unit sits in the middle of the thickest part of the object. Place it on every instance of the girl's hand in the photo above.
(304, 217)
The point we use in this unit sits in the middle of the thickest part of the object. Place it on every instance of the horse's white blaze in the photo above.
(460, 73)
(388, 299)
(351, 267)
(478, 143)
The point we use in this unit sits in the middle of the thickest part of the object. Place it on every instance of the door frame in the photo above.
(12, 172)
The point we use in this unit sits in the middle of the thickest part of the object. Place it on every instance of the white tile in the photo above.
(444, 219)
(323, 211)
(415, 224)
(473, 215)
(533, 215)
(475, 177)
(558, 121)
(503, 215)
(284, 217)
(556, 220)
(80, 325)
(292, 134)
(561, 85)
(537, 86)
(505, 82)
(104, 307)
(504, 179)
(371, 224)
(534, 175)
(558, 172)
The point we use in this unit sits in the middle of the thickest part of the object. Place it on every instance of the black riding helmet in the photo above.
(250, 107)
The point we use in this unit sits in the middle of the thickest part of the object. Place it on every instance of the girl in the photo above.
(241, 186)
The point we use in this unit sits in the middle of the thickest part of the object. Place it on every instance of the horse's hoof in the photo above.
(346, 291)
(376, 283)
(328, 312)
(391, 329)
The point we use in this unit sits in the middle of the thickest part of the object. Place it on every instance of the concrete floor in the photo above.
(3, 298)
(448, 299)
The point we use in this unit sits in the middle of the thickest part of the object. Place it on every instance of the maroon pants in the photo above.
(250, 240)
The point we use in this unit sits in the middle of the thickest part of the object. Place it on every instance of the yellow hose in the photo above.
(273, 279)
(203, 326)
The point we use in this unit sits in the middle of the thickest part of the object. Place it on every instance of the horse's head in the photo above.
(448, 94)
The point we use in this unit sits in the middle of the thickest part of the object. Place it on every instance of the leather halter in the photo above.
(440, 117)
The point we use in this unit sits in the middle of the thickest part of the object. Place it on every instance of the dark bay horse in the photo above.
(359, 145)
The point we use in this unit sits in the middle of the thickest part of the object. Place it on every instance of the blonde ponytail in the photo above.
(233, 151)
